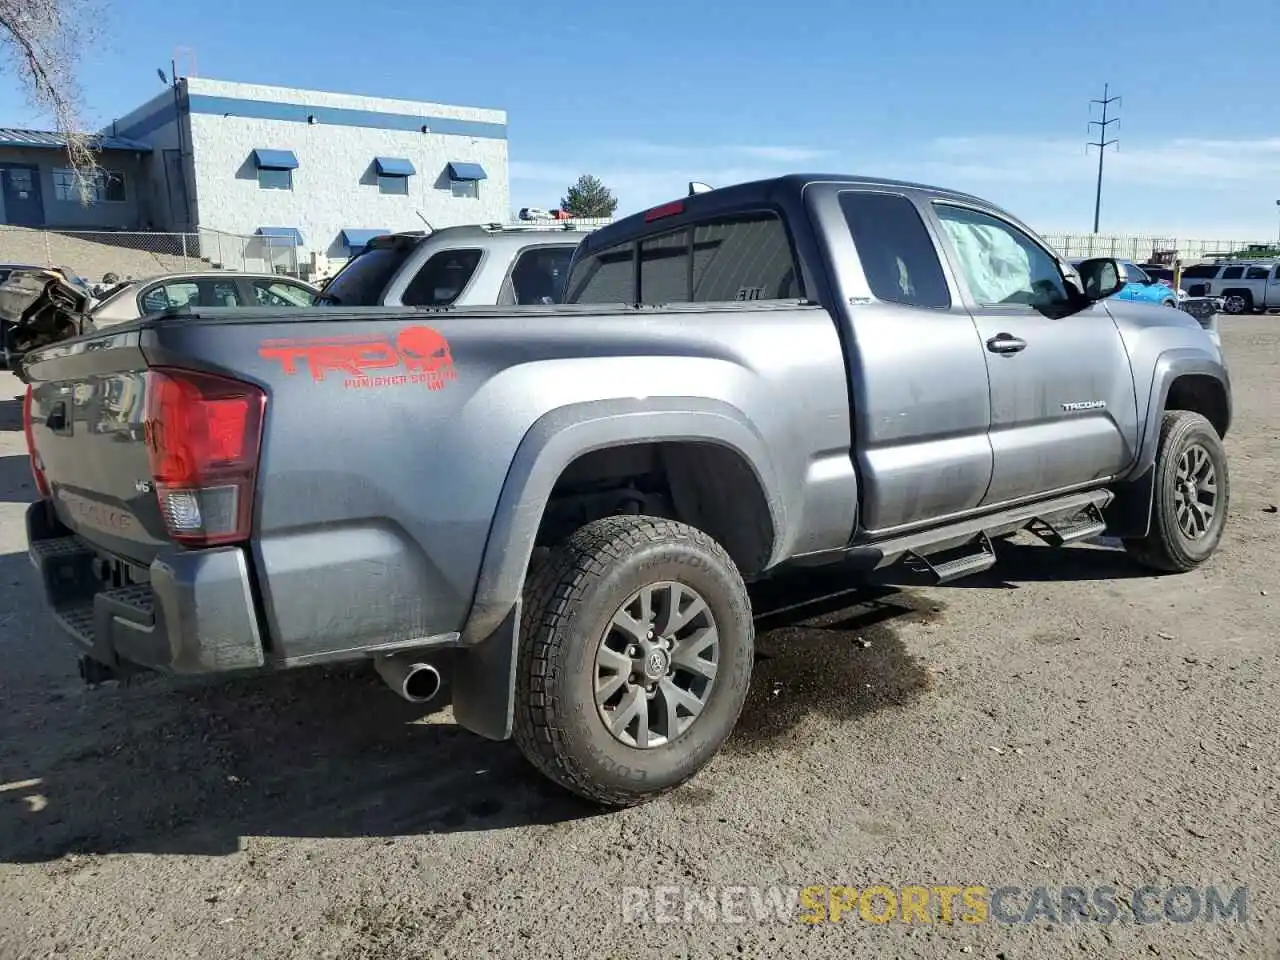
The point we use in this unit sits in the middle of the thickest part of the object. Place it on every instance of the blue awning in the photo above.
(394, 167)
(358, 239)
(275, 159)
(466, 171)
(281, 236)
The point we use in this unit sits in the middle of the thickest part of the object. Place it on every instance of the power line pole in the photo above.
(1102, 143)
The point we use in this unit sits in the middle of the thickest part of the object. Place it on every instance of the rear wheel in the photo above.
(1237, 301)
(1192, 492)
(635, 657)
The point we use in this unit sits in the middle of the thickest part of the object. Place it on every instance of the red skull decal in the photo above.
(426, 351)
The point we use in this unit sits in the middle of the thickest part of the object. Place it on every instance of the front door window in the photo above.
(1002, 265)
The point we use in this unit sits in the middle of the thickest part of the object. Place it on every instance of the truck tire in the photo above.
(1237, 301)
(606, 707)
(1190, 499)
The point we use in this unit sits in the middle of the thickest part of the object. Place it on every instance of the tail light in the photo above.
(664, 210)
(37, 468)
(204, 434)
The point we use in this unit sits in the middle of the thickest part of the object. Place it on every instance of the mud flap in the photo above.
(484, 681)
(1128, 516)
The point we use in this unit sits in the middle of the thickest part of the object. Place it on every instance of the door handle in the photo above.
(1006, 343)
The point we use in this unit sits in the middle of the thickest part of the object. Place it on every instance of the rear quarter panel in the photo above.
(377, 495)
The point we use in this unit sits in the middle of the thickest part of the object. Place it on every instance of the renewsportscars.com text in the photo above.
(937, 903)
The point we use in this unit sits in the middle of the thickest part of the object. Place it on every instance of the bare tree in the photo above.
(44, 39)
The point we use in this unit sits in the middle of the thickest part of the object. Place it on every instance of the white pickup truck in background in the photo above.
(1243, 286)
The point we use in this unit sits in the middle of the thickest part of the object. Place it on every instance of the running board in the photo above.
(1058, 532)
(968, 532)
(977, 556)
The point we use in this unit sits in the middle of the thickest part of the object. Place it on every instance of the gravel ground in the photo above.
(1065, 721)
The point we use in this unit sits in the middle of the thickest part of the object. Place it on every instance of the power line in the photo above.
(1102, 143)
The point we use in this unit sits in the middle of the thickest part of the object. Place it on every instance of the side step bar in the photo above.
(1057, 532)
(976, 557)
(967, 544)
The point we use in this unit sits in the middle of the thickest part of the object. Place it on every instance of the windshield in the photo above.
(362, 281)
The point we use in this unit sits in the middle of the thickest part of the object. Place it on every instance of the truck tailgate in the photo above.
(87, 430)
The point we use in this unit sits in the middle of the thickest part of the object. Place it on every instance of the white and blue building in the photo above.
(319, 171)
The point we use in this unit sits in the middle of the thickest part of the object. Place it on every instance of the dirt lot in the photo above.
(1068, 721)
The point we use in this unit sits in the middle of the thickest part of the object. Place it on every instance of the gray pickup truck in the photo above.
(562, 504)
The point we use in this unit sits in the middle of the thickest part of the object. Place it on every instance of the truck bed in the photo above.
(388, 436)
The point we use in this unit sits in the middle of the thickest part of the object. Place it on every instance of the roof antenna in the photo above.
(696, 187)
(425, 220)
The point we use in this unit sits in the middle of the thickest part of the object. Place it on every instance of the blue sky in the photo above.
(988, 96)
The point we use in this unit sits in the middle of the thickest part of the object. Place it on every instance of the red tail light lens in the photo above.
(203, 435)
(665, 210)
(37, 468)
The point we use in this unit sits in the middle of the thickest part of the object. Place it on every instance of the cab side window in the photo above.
(1000, 263)
(897, 254)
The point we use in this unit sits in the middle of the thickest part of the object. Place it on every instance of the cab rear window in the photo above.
(738, 257)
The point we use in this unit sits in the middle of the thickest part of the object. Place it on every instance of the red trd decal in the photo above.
(421, 352)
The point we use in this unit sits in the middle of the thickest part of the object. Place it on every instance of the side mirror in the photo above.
(1101, 277)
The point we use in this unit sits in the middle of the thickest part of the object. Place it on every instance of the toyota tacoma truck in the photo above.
(564, 504)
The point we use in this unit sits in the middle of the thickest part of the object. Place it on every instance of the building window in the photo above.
(465, 189)
(395, 185)
(104, 186)
(269, 179)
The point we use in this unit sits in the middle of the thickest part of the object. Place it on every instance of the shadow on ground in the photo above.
(1031, 563)
(11, 414)
(15, 480)
(164, 766)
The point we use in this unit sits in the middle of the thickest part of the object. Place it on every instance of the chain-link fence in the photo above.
(1142, 248)
(93, 253)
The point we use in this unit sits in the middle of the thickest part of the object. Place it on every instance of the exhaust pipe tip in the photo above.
(422, 683)
(416, 682)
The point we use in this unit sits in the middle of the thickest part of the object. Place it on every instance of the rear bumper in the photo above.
(196, 616)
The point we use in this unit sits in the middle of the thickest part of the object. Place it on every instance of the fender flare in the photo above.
(1169, 366)
(484, 681)
(1129, 514)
